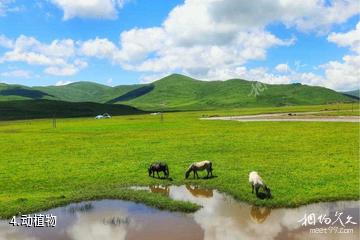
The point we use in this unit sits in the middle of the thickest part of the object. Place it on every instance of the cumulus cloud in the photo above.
(99, 47)
(210, 40)
(350, 39)
(67, 69)
(214, 39)
(341, 74)
(198, 48)
(106, 9)
(5, 42)
(306, 15)
(345, 74)
(282, 67)
(59, 57)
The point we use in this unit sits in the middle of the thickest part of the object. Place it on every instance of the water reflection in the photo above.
(259, 214)
(199, 192)
(165, 190)
(86, 207)
(221, 217)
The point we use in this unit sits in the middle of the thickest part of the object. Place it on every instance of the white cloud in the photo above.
(16, 74)
(227, 34)
(5, 42)
(350, 39)
(214, 39)
(283, 68)
(106, 9)
(155, 50)
(210, 40)
(67, 69)
(99, 47)
(339, 75)
(206, 47)
(345, 74)
(306, 15)
(7, 6)
(62, 83)
(58, 57)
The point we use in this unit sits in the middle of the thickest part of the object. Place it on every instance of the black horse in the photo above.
(158, 167)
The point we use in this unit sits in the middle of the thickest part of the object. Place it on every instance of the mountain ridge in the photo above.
(179, 92)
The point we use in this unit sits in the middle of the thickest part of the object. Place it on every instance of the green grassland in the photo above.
(302, 162)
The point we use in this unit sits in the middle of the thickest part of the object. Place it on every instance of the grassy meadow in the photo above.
(302, 162)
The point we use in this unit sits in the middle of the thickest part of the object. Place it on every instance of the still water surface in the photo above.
(221, 217)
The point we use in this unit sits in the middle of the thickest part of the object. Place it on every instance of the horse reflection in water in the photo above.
(259, 214)
(165, 190)
(199, 192)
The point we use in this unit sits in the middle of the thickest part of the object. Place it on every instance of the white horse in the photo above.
(199, 166)
(256, 182)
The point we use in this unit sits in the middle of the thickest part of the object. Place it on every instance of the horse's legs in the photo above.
(252, 187)
(194, 173)
(153, 174)
(257, 190)
(157, 172)
(197, 175)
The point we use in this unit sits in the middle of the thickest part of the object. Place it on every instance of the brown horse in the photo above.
(199, 166)
(158, 167)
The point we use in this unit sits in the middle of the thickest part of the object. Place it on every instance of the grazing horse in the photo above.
(158, 167)
(199, 166)
(256, 182)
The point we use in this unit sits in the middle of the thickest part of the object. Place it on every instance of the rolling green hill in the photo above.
(178, 92)
(74, 92)
(355, 93)
(30, 109)
(86, 92)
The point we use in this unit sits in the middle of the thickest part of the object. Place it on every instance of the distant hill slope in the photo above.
(355, 93)
(184, 93)
(86, 92)
(29, 109)
(74, 92)
(178, 92)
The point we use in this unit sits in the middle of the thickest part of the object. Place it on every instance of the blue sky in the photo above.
(54, 42)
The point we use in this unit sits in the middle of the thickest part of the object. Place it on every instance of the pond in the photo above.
(221, 217)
